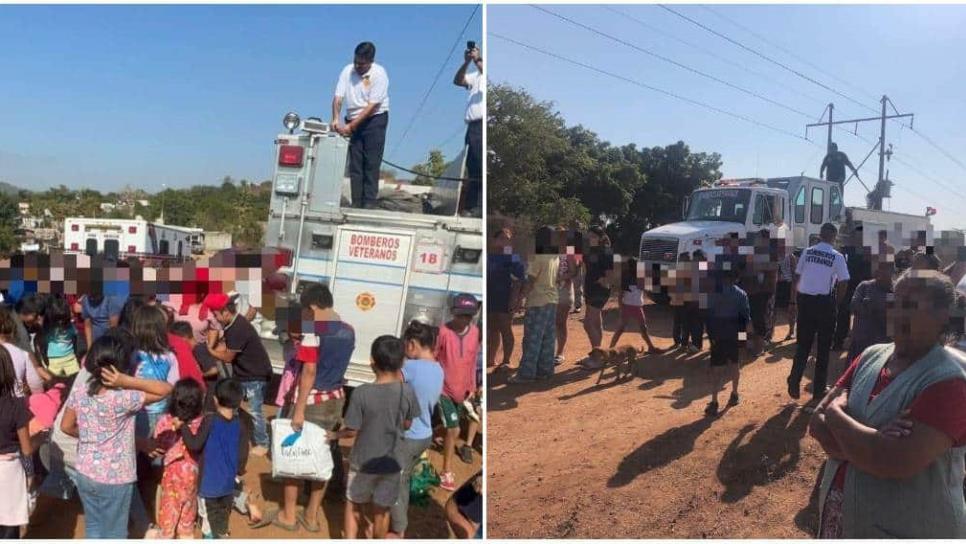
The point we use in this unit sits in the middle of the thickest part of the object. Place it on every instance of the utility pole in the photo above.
(881, 189)
(828, 145)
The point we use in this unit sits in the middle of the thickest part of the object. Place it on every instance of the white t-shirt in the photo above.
(357, 91)
(820, 267)
(633, 296)
(474, 103)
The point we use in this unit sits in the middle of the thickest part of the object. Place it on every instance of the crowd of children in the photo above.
(115, 401)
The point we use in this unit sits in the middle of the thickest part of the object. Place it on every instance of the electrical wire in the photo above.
(669, 60)
(423, 174)
(651, 87)
(445, 63)
(712, 54)
(936, 146)
(818, 69)
(766, 57)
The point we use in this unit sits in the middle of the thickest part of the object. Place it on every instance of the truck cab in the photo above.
(792, 208)
(385, 267)
(712, 213)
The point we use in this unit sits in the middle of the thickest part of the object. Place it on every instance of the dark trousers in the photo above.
(679, 327)
(474, 165)
(843, 320)
(218, 510)
(815, 318)
(695, 323)
(365, 159)
(688, 325)
(9, 532)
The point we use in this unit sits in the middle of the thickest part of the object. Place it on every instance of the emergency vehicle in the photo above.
(122, 238)
(791, 208)
(384, 267)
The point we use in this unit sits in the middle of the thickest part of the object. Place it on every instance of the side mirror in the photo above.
(684, 208)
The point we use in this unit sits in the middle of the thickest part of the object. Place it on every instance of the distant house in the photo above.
(107, 207)
(24, 207)
(216, 240)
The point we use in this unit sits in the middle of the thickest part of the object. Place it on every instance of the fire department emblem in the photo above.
(366, 301)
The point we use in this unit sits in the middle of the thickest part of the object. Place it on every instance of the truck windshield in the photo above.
(719, 205)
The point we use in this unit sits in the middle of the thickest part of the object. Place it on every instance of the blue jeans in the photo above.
(539, 342)
(144, 424)
(106, 507)
(255, 395)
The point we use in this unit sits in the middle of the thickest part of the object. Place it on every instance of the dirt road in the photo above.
(65, 519)
(638, 459)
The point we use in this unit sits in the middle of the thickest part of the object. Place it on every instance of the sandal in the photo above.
(304, 523)
(271, 518)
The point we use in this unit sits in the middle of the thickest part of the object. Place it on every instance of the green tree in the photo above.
(548, 173)
(428, 171)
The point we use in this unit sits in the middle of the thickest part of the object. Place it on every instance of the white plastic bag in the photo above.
(304, 456)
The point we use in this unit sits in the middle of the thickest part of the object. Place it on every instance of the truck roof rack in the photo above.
(738, 182)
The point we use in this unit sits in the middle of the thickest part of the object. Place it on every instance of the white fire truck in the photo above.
(122, 238)
(385, 267)
(792, 208)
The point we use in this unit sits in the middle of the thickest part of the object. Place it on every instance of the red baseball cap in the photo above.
(215, 301)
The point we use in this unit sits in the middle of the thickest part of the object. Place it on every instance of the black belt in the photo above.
(814, 296)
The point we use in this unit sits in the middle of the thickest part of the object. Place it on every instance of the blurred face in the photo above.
(223, 316)
(462, 321)
(915, 324)
(883, 274)
(362, 65)
(32, 322)
(593, 239)
(501, 243)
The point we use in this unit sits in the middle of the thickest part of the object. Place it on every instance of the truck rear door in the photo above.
(371, 276)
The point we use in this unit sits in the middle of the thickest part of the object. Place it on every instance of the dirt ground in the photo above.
(55, 518)
(638, 458)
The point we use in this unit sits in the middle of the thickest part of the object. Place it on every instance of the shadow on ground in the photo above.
(772, 452)
(661, 450)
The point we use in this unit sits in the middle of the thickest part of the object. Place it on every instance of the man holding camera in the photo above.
(473, 82)
(364, 87)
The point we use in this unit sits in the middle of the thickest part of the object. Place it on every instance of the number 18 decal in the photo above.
(429, 258)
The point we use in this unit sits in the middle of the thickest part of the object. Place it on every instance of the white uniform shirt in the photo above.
(357, 91)
(474, 103)
(820, 267)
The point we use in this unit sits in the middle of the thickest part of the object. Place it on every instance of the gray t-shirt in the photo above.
(377, 411)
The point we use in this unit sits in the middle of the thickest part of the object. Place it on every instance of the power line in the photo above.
(720, 15)
(766, 57)
(712, 54)
(947, 154)
(652, 88)
(442, 67)
(670, 61)
(929, 177)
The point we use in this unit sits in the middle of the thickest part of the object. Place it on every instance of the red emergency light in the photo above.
(74, 246)
(75, 227)
(291, 155)
(132, 249)
(132, 230)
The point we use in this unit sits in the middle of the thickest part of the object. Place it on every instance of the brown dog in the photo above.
(623, 360)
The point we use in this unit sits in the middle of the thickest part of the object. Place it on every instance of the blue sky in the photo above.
(911, 53)
(103, 96)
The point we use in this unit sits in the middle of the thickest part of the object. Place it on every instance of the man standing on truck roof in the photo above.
(822, 277)
(364, 87)
(473, 82)
(835, 162)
